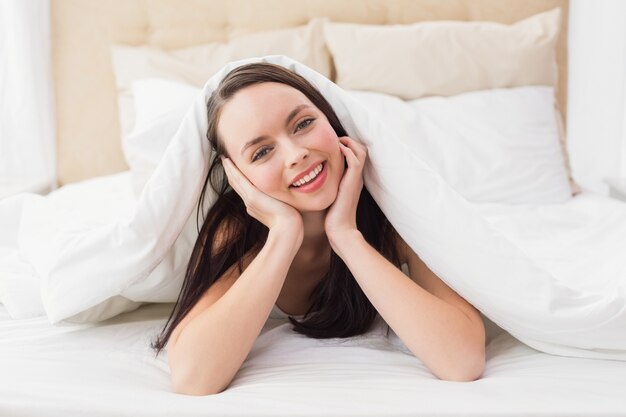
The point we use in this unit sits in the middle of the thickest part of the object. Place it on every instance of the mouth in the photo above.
(313, 181)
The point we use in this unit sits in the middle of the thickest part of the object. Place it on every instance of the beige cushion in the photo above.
(445, 58)
(195, 65)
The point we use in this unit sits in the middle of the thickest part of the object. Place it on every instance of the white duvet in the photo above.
(570, 302)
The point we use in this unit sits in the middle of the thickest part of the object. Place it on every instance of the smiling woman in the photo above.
(297, 140)
(298, 229)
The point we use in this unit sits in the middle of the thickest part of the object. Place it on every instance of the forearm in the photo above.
(438, 333)
(212, 347)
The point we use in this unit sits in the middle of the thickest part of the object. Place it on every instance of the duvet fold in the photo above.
(138, 253)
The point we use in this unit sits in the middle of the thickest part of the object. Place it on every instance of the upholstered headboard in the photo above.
(88, 128)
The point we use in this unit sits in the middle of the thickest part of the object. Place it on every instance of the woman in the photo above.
(299, 230)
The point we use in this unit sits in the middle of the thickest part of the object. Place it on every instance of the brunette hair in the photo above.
(339, 308)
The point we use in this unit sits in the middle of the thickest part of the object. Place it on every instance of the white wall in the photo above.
(27, 138)
(596, 117)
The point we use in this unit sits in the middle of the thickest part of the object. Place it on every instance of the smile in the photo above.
(309, 177)
(311, 181)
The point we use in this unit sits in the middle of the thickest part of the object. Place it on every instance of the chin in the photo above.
(320, 204)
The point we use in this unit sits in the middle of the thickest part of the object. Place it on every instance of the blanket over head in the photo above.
(141, 254)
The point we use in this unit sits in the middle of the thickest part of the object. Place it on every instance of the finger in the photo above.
(233, 171)
(353, 176)
(358, 148)
(228, 169)
(235, 178)
(352, 159)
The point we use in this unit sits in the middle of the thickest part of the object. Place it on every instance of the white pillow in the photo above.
(497, 145)
(446, 58)
(196, 64)
(157, 97)
(160, 106)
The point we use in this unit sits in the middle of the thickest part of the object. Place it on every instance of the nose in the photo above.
(294, 154)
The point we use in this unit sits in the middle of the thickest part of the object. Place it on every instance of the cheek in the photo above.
(328, 139)
(267, 178)
(330, 143)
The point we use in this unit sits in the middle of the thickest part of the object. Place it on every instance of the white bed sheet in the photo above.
(108, 369)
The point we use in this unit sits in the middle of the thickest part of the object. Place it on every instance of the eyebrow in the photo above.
(290, 117)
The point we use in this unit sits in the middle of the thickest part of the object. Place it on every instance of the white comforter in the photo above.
(568, 297)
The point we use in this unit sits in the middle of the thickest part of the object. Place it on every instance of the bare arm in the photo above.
(437, 325)
(209, 346)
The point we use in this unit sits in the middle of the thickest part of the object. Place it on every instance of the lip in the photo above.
(303, 173)
(314, 185)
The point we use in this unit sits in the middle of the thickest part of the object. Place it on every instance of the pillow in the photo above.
(155, 98)
(497, 145)
(195, 65)
(159, 107)
(446, 58)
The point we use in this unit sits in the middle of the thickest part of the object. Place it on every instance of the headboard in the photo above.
(87, 123)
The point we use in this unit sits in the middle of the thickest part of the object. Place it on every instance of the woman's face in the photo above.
(274, 135)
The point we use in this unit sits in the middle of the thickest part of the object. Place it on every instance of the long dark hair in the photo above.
(339, 308)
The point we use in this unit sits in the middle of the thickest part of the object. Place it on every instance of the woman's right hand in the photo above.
(271, 212)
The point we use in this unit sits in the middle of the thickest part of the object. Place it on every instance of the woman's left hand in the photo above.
(341, 216)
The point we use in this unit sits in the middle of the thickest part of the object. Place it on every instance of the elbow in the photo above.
(468, 374)
(470, 360)
(194, 389)
(189, 386)
(188, 383)
(188, 379)
(471, 369)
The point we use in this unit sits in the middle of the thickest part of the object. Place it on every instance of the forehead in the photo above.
(257, 110)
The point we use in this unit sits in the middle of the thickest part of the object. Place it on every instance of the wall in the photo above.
(596, 123)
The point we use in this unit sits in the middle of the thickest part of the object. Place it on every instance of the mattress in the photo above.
(108, 369)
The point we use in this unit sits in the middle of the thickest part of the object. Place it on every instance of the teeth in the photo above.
(308, 177)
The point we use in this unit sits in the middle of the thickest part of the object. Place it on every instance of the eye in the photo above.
(304, 123)
(260, 153)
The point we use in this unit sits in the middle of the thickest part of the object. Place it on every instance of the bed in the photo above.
(146, 62)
